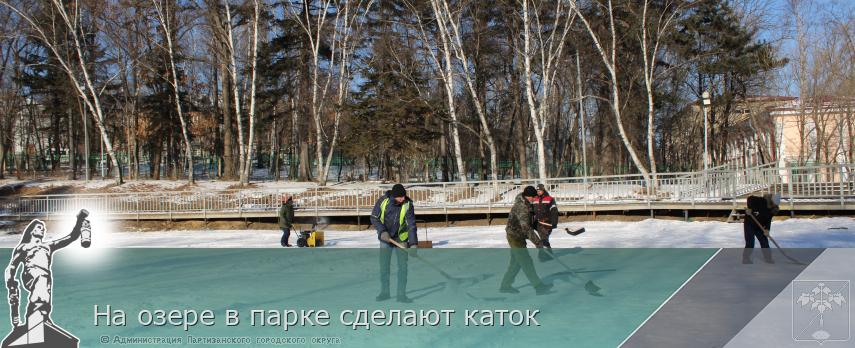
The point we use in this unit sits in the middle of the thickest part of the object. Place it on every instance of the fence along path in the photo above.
(826, 186)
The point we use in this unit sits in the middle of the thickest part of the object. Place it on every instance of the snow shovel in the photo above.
(768, 235)
(454, 282)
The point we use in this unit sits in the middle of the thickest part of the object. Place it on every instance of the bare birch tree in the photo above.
(232, 70)
(445, 70)
(253, 62)
(161, 8)
(10, 49)
(77, 71)
(346, 27)
(449, 27)
(661, 25)
(314, 29)
(608, 54)
(549, 51)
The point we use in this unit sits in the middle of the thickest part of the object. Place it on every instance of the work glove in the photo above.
(384, 236)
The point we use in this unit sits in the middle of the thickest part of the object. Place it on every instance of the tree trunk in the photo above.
(482, 169)
(276, 145)
(154, 160)
(232, 69)
(165, 23)
(522, 128)
(245, 177)
(366, 169)
(443, 151)
(136, 146)
(340, 165)
(19, 166)
(97, 114)
(85, 143)
(54, 143)
(72, 164)
(129, 141)
(2, 154)
(305, 170)
(533, 114)
(583, 143)
(294, 171)
(171, 168)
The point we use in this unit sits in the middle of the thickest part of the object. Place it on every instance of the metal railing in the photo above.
(828, 183)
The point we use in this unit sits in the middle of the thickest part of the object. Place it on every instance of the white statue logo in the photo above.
(36, 256)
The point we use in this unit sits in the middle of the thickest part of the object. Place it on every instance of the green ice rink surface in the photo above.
(634, 283)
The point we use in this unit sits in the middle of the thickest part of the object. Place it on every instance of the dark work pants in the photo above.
(286, 232)
(750, 234)
(544, 232)
(386, 251)
(520, 260)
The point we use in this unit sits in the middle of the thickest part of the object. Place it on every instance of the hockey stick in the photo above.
(589, 285)
(575, 232)
(768, 235)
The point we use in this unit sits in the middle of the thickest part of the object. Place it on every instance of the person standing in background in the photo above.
(286, 219)
(545, 219)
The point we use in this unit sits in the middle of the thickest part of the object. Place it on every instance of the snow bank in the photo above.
(838, 232)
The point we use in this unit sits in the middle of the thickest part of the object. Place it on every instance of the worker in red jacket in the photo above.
(545, 218)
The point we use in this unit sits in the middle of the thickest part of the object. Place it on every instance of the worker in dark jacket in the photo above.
(394, 219)
(758, 223)
(286, 219)
(545, 218)
(517, 230)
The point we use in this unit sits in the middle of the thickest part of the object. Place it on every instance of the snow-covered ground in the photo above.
(651, 233)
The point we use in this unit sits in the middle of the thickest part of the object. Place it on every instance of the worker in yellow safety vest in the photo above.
(394, 218)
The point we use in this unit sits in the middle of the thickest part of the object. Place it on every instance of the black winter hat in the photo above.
(398, 191)
(529, 191)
